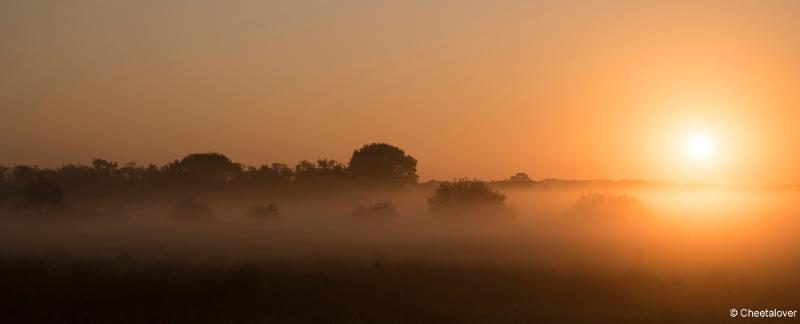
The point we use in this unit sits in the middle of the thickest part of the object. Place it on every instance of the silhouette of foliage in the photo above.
(381, 163)
(464, 194)
(377, 164)
(104, 167)
(5, 180)
(43, 194)
(193, 210)
(276, 174)
(24, 174)
(323, 172)
(4, 174)
(261, 211)
(609, 206)
(381, 210)
(520, 179)
(204, 169)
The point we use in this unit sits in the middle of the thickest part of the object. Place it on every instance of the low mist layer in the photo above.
(659, 249)
(204, 239)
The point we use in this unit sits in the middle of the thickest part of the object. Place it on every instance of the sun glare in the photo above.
(700, 146)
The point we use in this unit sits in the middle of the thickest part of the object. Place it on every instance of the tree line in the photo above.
(375, 165)
(372, 165)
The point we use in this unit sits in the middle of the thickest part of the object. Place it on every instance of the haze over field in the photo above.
(204, 239)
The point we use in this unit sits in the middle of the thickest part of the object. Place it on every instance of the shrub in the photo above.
(381, 210)
(464, 194)
(261, 211)
(600, 205)
(192, 209)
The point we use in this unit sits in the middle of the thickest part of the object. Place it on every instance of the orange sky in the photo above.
(570, 89)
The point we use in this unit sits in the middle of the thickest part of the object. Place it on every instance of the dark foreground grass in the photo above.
(325, 291)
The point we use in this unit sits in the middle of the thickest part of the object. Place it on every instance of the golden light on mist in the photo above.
(701, 152)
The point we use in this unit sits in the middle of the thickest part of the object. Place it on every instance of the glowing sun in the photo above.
(700, 146)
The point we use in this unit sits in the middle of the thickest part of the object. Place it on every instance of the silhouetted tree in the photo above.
(518, 180)
(323, 172)
(521, 178)
(151, 174)
(23, 174)
(304, 172)
(5, 183)
(130, 172)
(5, 175)
(203, 169)
(464, 194)
(376, 163)
(104, 166)
(281, 172)
(381, 163)
(331, 168)
(80, 179)
(266, 176)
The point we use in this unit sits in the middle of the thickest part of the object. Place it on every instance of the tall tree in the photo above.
(381, 163)
(205, 169)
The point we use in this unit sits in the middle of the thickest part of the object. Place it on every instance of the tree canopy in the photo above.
(381, 163)
(376, 163)
(204, 169)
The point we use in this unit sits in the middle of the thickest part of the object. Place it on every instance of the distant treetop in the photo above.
(204, 169)
(381, 163)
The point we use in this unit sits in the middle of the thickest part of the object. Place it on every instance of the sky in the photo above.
(485, 89)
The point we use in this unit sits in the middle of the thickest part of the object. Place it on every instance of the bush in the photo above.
(381, 210)
(194, 210)
(600, 205)
(261, 211)
(465, 195)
